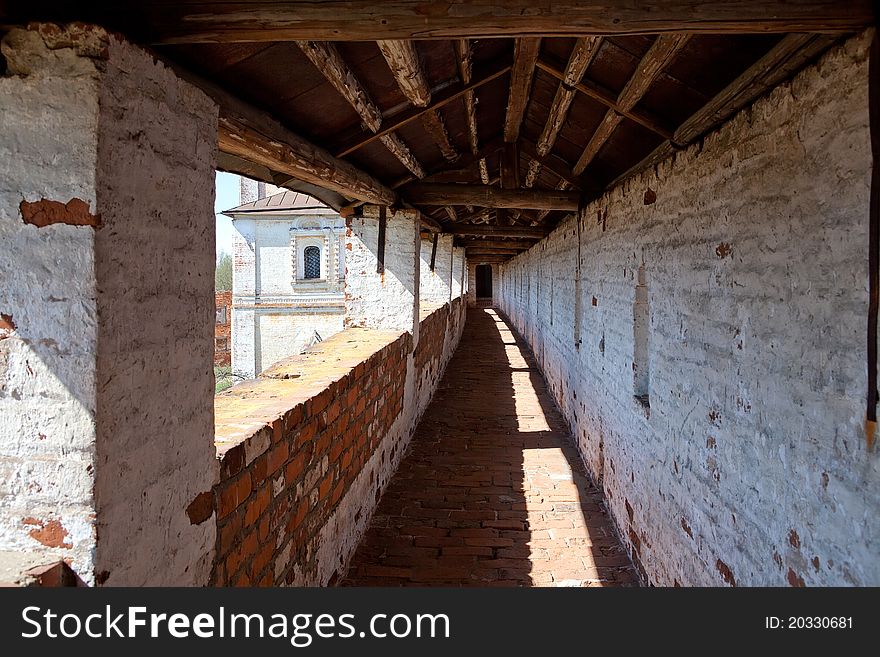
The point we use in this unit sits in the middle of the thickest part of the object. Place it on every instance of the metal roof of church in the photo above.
(286, 202)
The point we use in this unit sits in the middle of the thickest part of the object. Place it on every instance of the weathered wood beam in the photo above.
(447, 95)
(662, 52)
(326, 58)
(510, 166)
(578, 63)
(498, 231)
(788, 56)
(525, 54)
(559, 167)
(253, 135)
(403, 60)
(464, 58)
(520, 244)
(433, 124)
(601, 95)
(218, 21)
(562, 185)
(487, 196)
(532, 173)
(450, 212)
(493, 250)
(301, 159)
(458, 168)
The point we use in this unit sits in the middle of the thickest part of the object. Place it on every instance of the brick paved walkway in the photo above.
(492, 492)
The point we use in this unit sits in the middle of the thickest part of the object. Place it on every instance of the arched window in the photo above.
(312, 262)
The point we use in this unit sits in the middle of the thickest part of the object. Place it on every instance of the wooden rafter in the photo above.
(487, 196)
(585, 50)
(464, 58)
(789, 55)
(254, 136)
(662, 52)
(498, 231)
(218, 21)
(525, 54)
(438, 100)
(561, 186)
(285, 152)
(403, 60)
(532, 173)
(326, 58)
(596, 92)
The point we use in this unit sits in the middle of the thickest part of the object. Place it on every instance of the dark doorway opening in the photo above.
(484, 281)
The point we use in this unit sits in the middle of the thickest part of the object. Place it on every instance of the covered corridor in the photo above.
(492, 491)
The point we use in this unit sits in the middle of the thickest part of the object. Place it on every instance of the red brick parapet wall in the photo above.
(306, 449)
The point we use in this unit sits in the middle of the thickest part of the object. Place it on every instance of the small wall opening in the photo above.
(641, 334)
(484, 281)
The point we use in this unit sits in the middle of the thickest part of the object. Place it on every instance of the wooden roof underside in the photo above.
(493, 118)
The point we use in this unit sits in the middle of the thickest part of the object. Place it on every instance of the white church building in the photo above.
(288, 276)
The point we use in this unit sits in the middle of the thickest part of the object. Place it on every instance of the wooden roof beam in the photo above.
(599, 94)
(474, 230)
(218, 21)
(525, 54)
(326, 58)
(255, 136)
(487, 196)
(403, 60)
(581, 57)
(662, 52)
(447, 95)
(788, 56)
(464, 59)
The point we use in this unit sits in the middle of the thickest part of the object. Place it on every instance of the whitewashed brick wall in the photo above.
(751, 465)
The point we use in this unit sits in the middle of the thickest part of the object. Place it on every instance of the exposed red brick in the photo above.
(794, 579)
(45, 212)
(7, 326)
(201, 508)
(726, 572)
(794, 539)
(50, 534)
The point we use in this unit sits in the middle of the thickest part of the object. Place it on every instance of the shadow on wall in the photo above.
(493, 492)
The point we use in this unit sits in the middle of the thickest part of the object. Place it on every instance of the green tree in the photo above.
(223, 273)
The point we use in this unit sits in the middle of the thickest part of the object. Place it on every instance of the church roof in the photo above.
(286, 202)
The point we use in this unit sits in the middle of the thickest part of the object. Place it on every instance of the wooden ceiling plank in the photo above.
(661, 53)
(525, 55)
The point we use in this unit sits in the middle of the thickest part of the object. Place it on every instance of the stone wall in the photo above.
(107, 310)
(702, 328)
(306, 450)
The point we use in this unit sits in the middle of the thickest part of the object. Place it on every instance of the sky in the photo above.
(226, 197)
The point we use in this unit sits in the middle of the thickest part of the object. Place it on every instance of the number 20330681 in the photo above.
(808, 623)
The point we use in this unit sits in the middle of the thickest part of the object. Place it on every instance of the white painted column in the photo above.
(434, 286)
(244, 296)
(106, 309)
(388, 300)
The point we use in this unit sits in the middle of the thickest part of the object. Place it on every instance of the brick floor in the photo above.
(492, 491)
